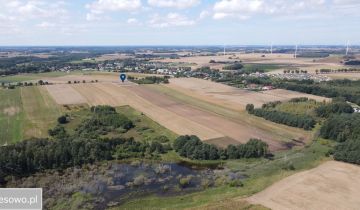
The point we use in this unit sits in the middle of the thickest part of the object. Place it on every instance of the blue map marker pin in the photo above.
(123, 77)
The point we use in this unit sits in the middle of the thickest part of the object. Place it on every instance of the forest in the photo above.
(344, 129)
(33, 64)
(346, 89)
(86, 145)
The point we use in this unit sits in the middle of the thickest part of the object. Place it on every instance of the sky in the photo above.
(179, 22)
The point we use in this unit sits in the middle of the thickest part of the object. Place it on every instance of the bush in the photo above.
(62, 119)
(236, 183)
(185, 181)
(250, 108)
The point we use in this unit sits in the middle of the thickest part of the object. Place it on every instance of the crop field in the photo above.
(332, 185)
(26, 112)
(180, 116)
(284, 61)
(117, 95)
(40, 111)
(33, 77)
(231, 97)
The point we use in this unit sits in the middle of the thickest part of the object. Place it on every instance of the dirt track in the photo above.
(331, 186)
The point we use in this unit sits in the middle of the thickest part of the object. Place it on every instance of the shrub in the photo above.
(62, 119)
(185, 181)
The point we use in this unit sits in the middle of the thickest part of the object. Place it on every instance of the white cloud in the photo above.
(179, 4)
(101, 6)
(346, 2)
(244, 9)
(170, 20)
(204, 14)
(98, 7)
(133, 21)
(46, 25)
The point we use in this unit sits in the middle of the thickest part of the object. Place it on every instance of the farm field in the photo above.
(65, 94)
(26, 112)
(34, 76)
(232, 97)
(280, 132)
(284, 60)
(116, 95)
(40, 111)
(332, 185)
(179, 116)
(11, 116)
(352, 76)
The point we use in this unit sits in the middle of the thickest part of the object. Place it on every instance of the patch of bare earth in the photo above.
(330, 186)
(11, 111)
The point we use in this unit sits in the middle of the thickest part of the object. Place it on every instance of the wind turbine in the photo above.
(296, 50)
(347, 48)
(224, 50)
(271, 48)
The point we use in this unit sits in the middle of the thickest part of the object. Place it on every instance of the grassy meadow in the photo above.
(26, 112)
(11, 116)
(41, 111)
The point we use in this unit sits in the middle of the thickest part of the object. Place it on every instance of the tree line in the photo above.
(346, 89)
(193, 148)
(150, 80)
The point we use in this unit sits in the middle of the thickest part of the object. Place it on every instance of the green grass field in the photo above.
(40, 111)
(258, 66)
(307, 108)
(11, 116)
(33, 76)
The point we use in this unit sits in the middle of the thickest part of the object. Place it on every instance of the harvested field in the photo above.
(286, 60)
(117, 95)
(232, 97)
(332, 185)
(239, 132)
(179, 117)
(65, 94)
(288, 94)
(80, 78)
